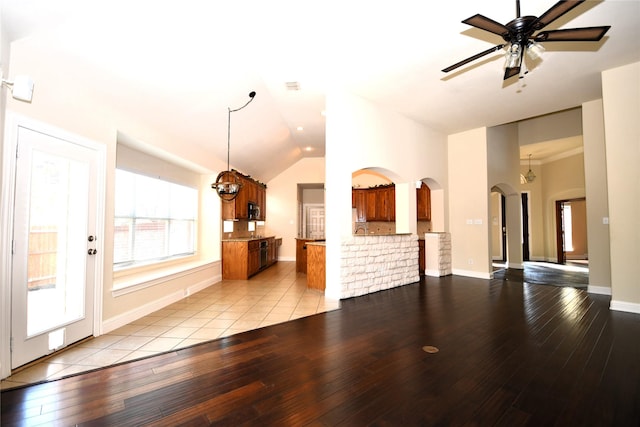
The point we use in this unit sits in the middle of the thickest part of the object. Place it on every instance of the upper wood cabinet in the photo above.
(374, 204)
(251, 191)
(423, 203)
(359, 197)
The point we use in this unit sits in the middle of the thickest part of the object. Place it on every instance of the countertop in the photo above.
(248, 239)
(317, 243)
(380, 234)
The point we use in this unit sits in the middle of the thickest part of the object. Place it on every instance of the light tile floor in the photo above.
(275, 295)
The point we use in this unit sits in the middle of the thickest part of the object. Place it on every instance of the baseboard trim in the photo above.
(144, 310)
(474, 274)
(600, 290)
(629, 307)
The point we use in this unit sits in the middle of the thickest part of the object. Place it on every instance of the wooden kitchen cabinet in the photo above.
(301, 255)
(316, 266)
(371, 205)
(375, 204)
(251, 191)
(254, 257)
(241, 258)
(360, 203)
(423, 203)
(386, 203)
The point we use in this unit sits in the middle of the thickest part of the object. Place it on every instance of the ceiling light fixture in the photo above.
(21, 88)
(530, 176)
(227, 183)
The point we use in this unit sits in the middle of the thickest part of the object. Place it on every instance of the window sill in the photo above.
(129, 283)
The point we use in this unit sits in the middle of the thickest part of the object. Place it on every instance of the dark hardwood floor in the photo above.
(510, 354)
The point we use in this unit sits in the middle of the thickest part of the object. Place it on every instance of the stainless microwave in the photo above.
(254, 211)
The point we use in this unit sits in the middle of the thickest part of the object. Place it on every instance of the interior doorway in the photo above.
(526, 251)
(311, 211)
(571, 230)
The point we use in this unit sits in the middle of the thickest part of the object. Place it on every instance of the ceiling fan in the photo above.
(519, 35)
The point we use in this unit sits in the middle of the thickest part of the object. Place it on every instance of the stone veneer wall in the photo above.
(372, 263)
(437, 254)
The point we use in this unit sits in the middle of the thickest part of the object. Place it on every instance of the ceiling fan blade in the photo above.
(555, 12)
(585, 34)
(487, 24)
(473, 58)
(510, 72)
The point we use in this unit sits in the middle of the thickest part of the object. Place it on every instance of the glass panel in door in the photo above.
(57, 242)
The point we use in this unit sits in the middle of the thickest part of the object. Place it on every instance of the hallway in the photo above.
(545, 273)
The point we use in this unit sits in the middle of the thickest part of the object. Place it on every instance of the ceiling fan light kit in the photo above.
(519, 35)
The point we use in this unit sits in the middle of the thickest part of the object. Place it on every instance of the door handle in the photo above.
(92, 251)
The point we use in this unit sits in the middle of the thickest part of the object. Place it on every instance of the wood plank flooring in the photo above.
(510, 354)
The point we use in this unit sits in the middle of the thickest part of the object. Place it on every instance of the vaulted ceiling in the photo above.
(181, 64)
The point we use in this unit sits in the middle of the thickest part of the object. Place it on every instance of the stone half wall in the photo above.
(372, 263)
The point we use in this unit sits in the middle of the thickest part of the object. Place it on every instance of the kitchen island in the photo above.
(316, 268)
(301, 253)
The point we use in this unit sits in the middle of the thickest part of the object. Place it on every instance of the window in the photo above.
(154, 219)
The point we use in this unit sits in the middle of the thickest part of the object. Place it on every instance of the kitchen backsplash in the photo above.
(241, 230)
(385, 227)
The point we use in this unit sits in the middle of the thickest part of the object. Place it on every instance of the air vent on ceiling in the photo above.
(292, 85)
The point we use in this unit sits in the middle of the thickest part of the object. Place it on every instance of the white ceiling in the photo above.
(180, 64)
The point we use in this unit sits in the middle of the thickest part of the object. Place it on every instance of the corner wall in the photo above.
(621, 101)
(469, 204)
(595, 166)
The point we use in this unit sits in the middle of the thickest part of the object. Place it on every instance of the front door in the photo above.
(54, 245)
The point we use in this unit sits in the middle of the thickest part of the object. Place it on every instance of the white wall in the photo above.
(469, 204)
(595, 166)
(282, 202)
(621, 101)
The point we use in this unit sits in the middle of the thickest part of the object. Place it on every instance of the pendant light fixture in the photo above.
(530, 176)
(227, 183)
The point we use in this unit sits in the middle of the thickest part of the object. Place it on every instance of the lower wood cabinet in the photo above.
(316, 271)
(242, 259)
(302, 252)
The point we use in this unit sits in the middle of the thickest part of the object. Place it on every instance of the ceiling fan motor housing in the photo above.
(520, 30)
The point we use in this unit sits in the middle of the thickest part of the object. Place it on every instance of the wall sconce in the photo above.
(21, 88)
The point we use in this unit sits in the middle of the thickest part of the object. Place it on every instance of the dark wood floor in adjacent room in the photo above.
(510, 354)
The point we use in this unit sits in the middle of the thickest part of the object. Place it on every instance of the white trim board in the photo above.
(600, 290)
(629, 307)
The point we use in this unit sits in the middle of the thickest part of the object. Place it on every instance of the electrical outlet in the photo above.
(470, 261)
